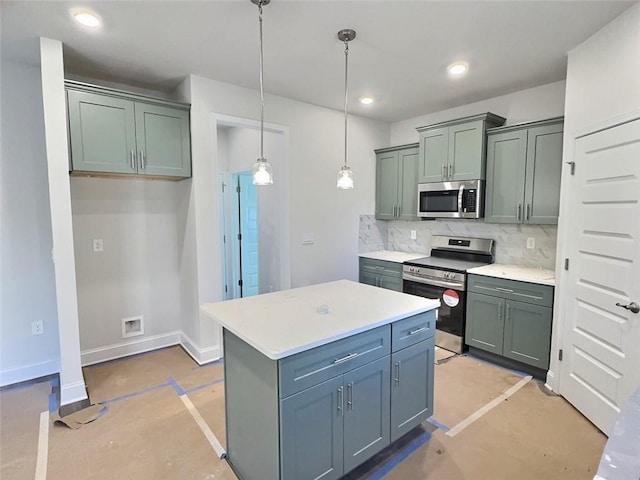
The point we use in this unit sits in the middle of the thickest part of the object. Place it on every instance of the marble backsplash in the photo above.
(510, 240)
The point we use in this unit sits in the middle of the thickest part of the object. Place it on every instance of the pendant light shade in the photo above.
(262, 169)
(345, 175)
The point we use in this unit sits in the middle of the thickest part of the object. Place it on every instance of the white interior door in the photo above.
(601, 339)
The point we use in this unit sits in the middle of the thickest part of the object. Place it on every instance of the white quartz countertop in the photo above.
(516, 272)
(283, 323)
(391, 256)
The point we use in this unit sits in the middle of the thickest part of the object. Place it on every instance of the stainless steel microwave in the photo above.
(451, 199)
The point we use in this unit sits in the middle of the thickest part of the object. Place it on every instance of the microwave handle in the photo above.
(460, 194)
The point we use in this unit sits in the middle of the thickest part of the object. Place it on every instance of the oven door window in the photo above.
(440, 201)
(452, 305)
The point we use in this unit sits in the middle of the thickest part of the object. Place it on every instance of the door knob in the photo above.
(633, 307)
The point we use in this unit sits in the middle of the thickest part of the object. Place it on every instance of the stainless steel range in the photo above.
(442, 276)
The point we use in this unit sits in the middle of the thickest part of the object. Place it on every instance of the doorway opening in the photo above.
(254, 219)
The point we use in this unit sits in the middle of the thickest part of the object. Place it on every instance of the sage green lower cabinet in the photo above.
(411, 387)
(510, 318)
(320, 413)
(381, 273)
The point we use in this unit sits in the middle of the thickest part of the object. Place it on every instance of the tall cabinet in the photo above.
(397, 183)
(455, 150)
(524, 166)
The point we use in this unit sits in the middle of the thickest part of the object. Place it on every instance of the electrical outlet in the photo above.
(37, 328)
(413, 235)
(531, 243)
(98, 245)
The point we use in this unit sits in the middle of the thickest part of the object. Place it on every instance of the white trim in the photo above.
(29, 372)
(489, 406)
(200, 355)
(43, 447)
(609, 123)
(211, 438)
(551, 381)
(72, 393)
(119, 350)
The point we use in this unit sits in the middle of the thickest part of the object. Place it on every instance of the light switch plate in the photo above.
(413, 235)
(531, 243)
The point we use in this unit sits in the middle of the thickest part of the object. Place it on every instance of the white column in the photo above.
(72, 387)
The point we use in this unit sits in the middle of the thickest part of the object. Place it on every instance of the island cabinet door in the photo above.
(366, 414)
(411, 387)
(312, 432)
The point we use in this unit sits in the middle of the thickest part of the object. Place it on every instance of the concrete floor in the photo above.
(148, 431)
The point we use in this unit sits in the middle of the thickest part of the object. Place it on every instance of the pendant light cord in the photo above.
(346, 74)
(261, 87)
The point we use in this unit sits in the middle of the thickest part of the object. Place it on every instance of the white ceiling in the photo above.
(399, 56)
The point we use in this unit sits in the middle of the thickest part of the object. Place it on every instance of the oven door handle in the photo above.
(434, 282)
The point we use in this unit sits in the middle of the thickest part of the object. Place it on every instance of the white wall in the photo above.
(313, 152)
(603, 83)
(72, 388)
(137, 273)
(27, 283)
(537, 103)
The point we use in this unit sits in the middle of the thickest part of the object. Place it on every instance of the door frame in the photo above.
(566, 224)
(281, 183)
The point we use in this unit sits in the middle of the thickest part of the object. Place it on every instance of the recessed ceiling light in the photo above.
(366, 100)
(457, 69)
(86, 18)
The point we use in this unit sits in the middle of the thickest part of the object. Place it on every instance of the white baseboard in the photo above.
(72, 393)
(551, 381)
(200, 355)
(133, 347)
(29, 372)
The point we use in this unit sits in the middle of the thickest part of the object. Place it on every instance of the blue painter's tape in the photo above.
(400, 457)
(200, 387)
(437, 424)
(135, 394)
(53, 402)
(176, 386)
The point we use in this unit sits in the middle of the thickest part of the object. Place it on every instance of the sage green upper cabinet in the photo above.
(397, 183)
(163, 140)
(524, 164)
(455, 150)
(102, 133)
(115, 132)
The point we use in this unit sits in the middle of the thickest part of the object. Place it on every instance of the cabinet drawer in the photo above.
(309, 368)
(380, 267)
(412, 330)
(532, 293)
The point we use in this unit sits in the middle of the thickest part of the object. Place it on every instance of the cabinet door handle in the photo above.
(519, 211)
(443, 173)
(499, 311)
(340, 401)
(351, 356)
(141, 159)
(528, 209)
(450, 171)
(350, 395)
(508, 317)
(398, 211)
(506, 290)
(417, 330)
(133, 160)
(397, 377)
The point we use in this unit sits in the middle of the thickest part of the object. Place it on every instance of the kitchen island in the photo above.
(318, 379)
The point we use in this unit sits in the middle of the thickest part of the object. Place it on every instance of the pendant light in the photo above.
(345, 175)
(262, 170)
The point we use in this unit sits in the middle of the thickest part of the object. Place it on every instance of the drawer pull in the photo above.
(417, 330)
(507, 290)
(351, 356)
